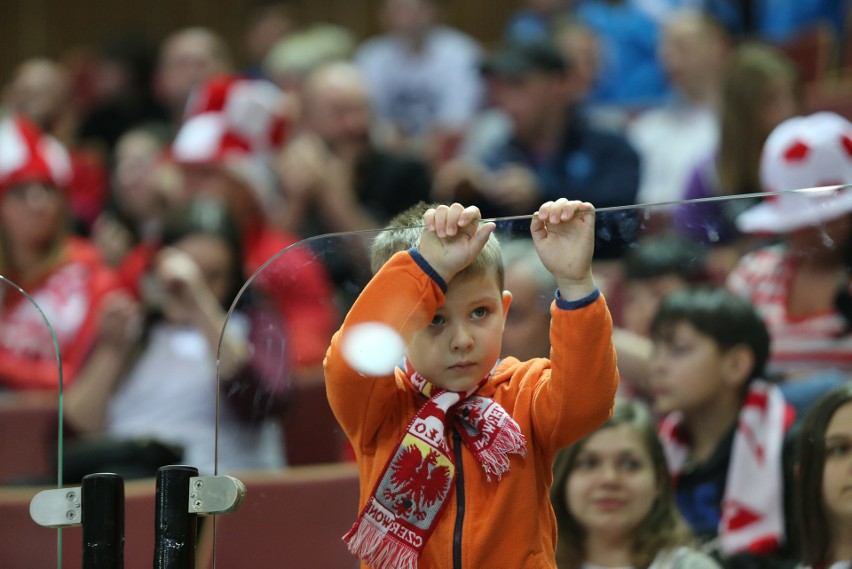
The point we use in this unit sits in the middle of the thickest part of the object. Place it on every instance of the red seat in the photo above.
(311, 433)
(28, 434)
(290, 519)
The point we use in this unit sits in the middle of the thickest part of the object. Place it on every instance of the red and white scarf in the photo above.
(753, 505)
(411, 494)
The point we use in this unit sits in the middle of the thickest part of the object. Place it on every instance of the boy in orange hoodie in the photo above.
(455, 446)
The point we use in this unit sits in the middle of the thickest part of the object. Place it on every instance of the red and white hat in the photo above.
(208, 140)
(29, 155)
(803, 152)
(254, 108)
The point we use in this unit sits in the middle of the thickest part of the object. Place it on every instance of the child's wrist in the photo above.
(576, 289)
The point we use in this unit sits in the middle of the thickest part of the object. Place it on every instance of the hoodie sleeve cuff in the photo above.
(427, 268)
(575, 304)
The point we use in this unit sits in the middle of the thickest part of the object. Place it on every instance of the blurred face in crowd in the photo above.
(837, 473)
(693, 53)
(408, 18)
(533, 101)
(527, 331)
(265, 28)
(136, 156)
(613, 483)
(222, 183)
(31, 214)
(39, 91)
(337, 108)
(643, 297)
(186, 59)
(579, 45)
(688, 370)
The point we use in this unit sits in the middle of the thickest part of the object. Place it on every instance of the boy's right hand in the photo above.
(453, 237)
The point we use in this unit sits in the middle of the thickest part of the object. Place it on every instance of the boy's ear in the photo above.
(738, 364)
(507, 301)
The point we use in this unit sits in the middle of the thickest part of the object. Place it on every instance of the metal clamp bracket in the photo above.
(57, 508)
(215, 494)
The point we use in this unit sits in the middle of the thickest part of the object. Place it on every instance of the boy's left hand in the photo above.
(565, 241)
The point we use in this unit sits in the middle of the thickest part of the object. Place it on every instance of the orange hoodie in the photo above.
(507, 524)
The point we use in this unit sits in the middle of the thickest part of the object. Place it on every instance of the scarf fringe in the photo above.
(371, 545)
(495, 459)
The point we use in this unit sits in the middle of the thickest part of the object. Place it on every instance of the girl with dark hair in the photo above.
(614, 503)
(824, 476)
(155, 368)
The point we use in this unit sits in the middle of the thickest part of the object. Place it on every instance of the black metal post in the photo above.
(102, 500)
(175, 528)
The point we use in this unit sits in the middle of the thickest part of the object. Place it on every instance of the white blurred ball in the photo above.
(372, 348)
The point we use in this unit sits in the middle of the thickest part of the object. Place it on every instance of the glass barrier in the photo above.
(272, 408)
(31, 410)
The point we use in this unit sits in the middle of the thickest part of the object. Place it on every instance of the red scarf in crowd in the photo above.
(753, 505)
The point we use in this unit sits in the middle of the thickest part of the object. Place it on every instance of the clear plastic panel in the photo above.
(279, 527)
(31, 432)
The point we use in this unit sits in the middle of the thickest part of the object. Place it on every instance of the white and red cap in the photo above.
(813, 151)
(208, 140)
(29, 155)
(254, 108)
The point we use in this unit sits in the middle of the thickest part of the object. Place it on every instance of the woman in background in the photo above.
(613, 500)
(823, 501)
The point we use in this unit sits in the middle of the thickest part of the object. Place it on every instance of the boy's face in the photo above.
(458, 349)
(688, 371)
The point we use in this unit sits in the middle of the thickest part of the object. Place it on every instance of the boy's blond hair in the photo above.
(404, 231)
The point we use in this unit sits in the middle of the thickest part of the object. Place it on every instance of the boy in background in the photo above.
(724, 427)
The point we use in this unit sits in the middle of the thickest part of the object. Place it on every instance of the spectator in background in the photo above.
(145, 186)
(759, 91)
(122, 93)
(822, 482)
(793, 283)
(332, 173)
(188, 57)
(614, 503)
(267, 22)
(656, 267)
(553, 151)
(334, 177)
(724, 426)
(63, 274)
(224, 150)
(40, 91)
(672, 138)
(423, 79)
(156, 367)
(580, 48)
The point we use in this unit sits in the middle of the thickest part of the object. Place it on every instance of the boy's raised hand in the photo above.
(565, 240)
(453, 237)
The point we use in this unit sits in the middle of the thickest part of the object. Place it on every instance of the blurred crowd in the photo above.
(141, 187)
